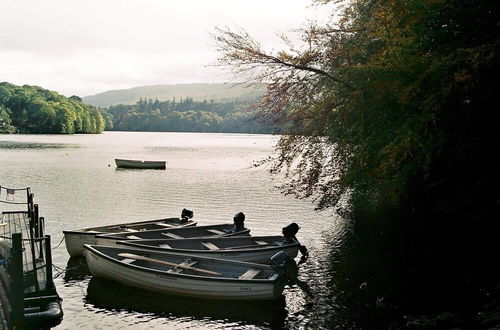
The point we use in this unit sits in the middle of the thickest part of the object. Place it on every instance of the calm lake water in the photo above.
(76, 184)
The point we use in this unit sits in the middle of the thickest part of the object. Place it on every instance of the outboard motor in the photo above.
(288, 270)
(289, 233)
(186, 214)
(239, 221)
(284, 265)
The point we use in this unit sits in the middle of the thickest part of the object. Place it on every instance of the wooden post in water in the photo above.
(33, 235)
(48, 262)
(40, 221)
(16, 273)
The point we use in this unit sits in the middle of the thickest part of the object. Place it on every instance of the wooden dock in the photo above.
(30, 297)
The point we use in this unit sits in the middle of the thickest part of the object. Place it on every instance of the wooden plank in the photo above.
(133, 237)
(165, 246)
(167, 263)
(249, 274)
(128, 260)
(210, 246)
(130, 230)
(261, 242)
(171, 235)
(166, 225)
(215, 231)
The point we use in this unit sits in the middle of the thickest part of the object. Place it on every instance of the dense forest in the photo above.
(32, 109)
(185, 115)
(218, 92)
(393, 117)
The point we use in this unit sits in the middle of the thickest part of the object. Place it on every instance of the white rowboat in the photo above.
(75, 239)
(221, 230)
(141, 164)
(184, 275)
(242, 248)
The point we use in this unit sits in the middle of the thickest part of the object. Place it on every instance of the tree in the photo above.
(391, 114)
(365, 100)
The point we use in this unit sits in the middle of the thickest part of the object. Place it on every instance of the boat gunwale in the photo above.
(189, 223)
(234, 250)
(189, 276)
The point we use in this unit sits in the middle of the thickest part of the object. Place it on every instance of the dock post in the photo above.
(40, 234)
(16, 273)
(48, 262)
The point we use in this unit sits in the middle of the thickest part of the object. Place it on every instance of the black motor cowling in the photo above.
(186, 214)
(239, 221)
(290, 231)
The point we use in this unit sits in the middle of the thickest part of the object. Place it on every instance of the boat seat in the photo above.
(164, 225)
(165, 246)
(133, 237)
(130, 230)
(261, 242)
(249, 274)
(187, 262)
(128, 260)
(210, 246)
(171, 235)
(217, 232)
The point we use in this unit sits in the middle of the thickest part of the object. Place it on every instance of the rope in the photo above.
(58, 244)
(6, 260)
(38, 239)
(61, 271)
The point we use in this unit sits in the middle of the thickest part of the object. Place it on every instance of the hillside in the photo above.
(198, 92)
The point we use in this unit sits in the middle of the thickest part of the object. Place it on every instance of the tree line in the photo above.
(185, 115)
(32, 109)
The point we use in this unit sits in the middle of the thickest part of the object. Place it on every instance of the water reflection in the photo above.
(116, 298)
(76, 270)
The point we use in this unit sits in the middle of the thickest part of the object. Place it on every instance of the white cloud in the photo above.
(85, 47)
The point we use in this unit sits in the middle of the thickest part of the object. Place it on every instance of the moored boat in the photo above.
(241, 248)
(220, 230)
(179, 274)
(140, 164)
(75, 239)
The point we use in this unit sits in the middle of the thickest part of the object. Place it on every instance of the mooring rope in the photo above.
(55, 247)
(38, 239)
(61, 271)
(6, 260)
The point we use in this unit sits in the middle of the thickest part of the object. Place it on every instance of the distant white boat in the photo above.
(141, 164)
(185, 275)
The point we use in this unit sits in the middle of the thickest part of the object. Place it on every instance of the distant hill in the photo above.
(199, 92)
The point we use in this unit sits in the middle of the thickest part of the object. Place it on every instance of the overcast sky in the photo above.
(84, 47)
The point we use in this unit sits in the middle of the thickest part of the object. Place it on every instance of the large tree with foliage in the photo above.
(32, 109)
(392, 108)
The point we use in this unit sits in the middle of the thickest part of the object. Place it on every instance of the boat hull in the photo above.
(175, 284)
(251, 254)
(75, 239)
(140, 164)
(199, 231)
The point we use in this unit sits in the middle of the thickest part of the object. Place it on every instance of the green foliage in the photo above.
(185, 115)
(31, 109)
(379, 93)
(392, 115)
